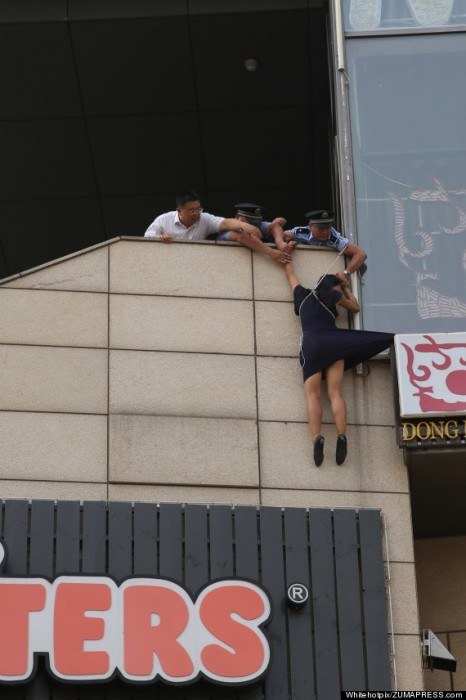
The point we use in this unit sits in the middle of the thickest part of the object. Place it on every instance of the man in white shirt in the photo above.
(190, 223)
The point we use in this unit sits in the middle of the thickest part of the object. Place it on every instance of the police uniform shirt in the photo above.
(303, 235)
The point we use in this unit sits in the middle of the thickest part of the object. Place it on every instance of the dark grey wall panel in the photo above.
(131, 216)
(33, 11)
(45, 159)
(104, 9)
(224, 83)
(231, 6)
(140, 155)
(34, 232)
(4, 268)
(132, 67)
(316, 650)
(228, 134)
(40, 78)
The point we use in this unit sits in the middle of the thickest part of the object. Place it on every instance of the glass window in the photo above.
(408, 122)
(373, 15)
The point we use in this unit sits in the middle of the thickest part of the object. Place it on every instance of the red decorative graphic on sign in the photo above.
(432, 386)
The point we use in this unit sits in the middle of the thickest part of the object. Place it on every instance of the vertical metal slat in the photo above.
(300, 642)
(349, 600)
(94, 537)
(324, 604)
(145, 539)
(273, 579)
(375, 615)
(67, 538)
(120, 540)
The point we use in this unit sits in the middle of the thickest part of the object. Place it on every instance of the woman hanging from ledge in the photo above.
(327, 351)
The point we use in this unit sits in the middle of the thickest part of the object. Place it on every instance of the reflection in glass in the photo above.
(408, 116)
(373, 15)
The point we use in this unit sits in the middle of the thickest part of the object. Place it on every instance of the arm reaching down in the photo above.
(292, 279)
(249, 236)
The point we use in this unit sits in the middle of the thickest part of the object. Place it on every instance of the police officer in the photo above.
(320, 233)
(271, 232)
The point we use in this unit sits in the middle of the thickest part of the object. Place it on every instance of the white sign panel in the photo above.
(431, 374)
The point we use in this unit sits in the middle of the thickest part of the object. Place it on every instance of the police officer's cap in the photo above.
(252, 212)
(320, 216)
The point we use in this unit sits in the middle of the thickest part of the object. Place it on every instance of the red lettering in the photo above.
(248, 653)
(89, 627)
(17, 601)
(154, 618)
(72, 629)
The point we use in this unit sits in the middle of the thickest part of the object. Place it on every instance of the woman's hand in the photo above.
(348, 300)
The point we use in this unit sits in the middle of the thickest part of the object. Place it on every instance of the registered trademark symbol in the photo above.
(297, 595)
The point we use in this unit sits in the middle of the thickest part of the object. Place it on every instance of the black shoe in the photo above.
(342, 448)
(319, 450)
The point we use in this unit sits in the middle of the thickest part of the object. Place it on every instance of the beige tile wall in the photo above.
(191, 359)
(181, 450)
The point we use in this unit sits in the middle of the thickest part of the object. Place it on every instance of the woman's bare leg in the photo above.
(312, 389)
(334, 377)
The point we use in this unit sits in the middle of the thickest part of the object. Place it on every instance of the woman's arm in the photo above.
(348, 300)
(292, 279)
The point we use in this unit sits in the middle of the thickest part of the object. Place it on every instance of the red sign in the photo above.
(145, 629)
(431, 374)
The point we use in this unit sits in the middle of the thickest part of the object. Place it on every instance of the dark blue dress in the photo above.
(323, 343)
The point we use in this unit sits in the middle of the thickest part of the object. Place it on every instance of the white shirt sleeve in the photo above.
(155, 230)
(211, 222)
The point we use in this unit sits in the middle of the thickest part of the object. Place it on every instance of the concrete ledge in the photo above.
(194, 269)
(53, 490)
(86, 270)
